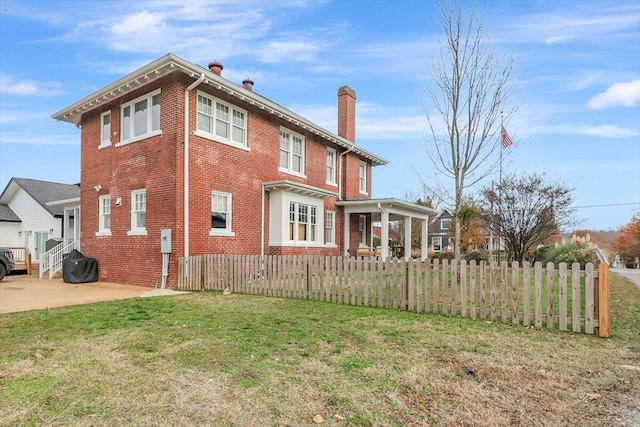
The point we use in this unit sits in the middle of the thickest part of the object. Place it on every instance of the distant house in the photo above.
(176, 153)
(440, 232)
(34, 211)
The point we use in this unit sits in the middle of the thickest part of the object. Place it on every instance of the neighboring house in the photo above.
(34, 211)
(174, 152)
(441, 232)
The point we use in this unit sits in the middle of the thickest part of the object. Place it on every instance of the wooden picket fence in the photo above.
(566, 298)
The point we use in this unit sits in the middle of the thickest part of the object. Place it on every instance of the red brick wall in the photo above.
(156, 164)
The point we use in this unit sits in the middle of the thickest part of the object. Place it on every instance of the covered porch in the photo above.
(385, 211)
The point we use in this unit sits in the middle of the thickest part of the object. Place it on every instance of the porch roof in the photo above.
(295, 187)
(396, 208)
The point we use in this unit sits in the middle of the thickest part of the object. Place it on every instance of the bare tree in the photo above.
(525, 211)
(466, 102)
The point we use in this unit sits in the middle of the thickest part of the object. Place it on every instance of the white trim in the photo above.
(289, 170)
(132, 122)
(362, 180)
(215, 138)
(244, 145)
(331, 213)
(331, 180)
(105, 142)
(228, 231)
(103, 233)
(138, 231)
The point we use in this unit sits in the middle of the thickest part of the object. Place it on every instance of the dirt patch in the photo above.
(24, 293)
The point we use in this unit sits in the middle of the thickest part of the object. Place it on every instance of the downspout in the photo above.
(185, 229)
(262, 225)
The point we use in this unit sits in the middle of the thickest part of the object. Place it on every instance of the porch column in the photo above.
(407, 237)
(346, 236)
(424, 244)
(384, 234)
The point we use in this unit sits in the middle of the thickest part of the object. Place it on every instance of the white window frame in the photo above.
(445, 223)
(228, 231)
(331, 166)
(105, 140)
(437, 239)
(104, 209)
(290, 153)
(330, 228)
(362, 177)
(362, 230)
(137, 230)
(213, 117)
(303, 219)
(128, 127)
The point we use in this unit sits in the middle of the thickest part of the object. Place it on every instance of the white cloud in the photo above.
(609, 131)
(619, 94)
(556, 39)
(9, 86)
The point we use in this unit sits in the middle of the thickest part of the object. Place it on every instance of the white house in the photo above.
(33, 212)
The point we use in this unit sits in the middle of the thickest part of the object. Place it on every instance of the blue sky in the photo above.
(578, 75)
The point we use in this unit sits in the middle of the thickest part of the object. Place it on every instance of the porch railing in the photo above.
(51, 260)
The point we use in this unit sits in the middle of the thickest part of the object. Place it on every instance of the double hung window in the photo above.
(221, 121)
(138, 212)
(331, 166)
(363, 177)
(104, 215)
(221, 209)
(291, 152)
(140, 118)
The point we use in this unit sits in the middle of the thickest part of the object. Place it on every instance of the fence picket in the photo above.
(515, 280)
(538, 294)
(483, 290)
(575, 297)
(472, 289)
(562, 288)
(504, 295)
(494, 293)
(454, 287)
(436, 285)
(463, 288)
(589, 283)
(526, 293)
(551, 273)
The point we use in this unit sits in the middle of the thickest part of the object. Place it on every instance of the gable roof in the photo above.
(170, 63)
(42, 192)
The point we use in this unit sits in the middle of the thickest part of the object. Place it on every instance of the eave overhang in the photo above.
(170, 63)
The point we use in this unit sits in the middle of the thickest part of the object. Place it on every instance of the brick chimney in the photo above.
(216, 67)
(347, 113)
(248, 84)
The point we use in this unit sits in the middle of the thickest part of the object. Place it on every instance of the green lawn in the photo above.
(242, 360)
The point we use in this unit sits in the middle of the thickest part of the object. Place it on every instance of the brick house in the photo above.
(217, 168)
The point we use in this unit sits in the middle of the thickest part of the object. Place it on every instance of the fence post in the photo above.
(604, 309)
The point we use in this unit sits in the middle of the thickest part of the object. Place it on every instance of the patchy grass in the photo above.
(237, 360)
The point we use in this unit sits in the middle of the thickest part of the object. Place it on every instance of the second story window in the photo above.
(291, 152)
(140, 118)
(105, 129)
(363, 178)
(445, 223)
(138, 212)
(331, 166)
(221, 122)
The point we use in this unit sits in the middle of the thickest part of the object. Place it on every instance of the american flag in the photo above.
(506, 139)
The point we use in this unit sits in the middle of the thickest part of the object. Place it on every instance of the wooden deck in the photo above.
(22, 259)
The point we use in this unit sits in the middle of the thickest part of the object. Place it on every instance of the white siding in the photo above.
(34, 218)
(9, 234)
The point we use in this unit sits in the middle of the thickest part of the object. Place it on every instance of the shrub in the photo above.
(478, 256)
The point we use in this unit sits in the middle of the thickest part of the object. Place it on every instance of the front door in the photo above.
(41, 243)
